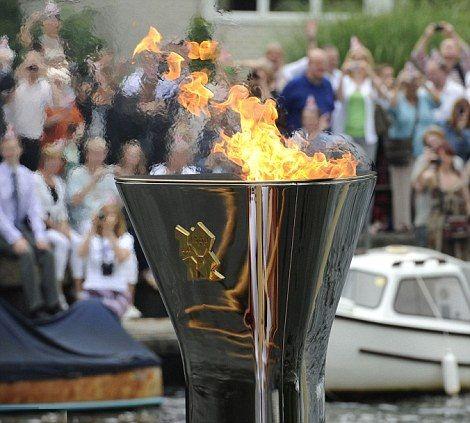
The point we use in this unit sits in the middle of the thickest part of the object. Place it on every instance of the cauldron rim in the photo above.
(201, 180)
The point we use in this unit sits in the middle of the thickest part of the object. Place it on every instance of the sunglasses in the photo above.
(33, 68)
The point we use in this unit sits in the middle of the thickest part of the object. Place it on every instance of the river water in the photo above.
(422, 409)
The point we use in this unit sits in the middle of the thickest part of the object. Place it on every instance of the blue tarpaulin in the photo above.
(85, 340)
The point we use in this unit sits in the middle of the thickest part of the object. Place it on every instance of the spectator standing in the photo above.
(313, 83)
(357, 95)
(110, 262)
(90, 186)
(22, 231)
(454, 52)
(7, 80)
(433, 139)
(26, 111)
(444, 90)
(457, 129)
(450, 204)
(63, 112)
(399, 147)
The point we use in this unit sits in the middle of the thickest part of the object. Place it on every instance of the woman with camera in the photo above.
(108, 250)
(448, 200)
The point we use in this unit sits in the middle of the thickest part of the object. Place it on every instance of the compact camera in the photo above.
(107, 269)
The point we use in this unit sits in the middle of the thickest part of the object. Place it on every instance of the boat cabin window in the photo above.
(434, 297)
(364, 289)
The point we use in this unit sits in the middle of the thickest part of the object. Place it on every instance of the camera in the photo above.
(438, 27)
(436, 161)
(101, 216)
(107, 269)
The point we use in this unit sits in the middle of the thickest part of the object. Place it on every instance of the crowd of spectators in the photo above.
(66, 135)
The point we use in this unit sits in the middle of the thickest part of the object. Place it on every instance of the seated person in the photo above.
(22, 230)
(108, 250)
(90, 186)
(50, 188)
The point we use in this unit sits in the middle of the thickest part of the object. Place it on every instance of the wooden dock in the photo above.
(156, 334)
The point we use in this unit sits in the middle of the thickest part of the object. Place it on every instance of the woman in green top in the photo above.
(357, 94)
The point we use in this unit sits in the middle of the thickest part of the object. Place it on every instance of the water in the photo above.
(422, 409)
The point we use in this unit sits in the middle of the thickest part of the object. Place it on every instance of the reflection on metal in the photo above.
(254, 343)
(196, 252)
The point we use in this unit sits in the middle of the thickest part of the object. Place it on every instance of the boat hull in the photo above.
(372, 356)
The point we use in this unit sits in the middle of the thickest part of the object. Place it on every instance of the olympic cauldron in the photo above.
(251, 274)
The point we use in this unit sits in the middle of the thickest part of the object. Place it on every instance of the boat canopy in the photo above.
(85, 340)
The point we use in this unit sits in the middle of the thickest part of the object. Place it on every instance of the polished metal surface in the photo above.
(253, 343)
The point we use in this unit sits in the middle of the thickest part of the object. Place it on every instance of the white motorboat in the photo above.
(403, 323)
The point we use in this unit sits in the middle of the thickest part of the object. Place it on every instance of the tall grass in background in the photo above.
(391, 36)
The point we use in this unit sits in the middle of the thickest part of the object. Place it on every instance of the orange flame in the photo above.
(261, 152)
(174, 66)
(194, 96)
(149, 43)
(207, 50)
(235, 95)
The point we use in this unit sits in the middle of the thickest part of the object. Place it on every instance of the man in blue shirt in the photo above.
(313, 83)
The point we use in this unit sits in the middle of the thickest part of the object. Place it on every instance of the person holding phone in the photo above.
(453, 51)
(111, 266)
(26, 109)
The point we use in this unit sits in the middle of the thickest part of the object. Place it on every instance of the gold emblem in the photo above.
(196, 251)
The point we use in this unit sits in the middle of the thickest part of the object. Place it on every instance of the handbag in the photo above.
(398, 152)
(455, 227)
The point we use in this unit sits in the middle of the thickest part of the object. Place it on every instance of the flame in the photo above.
(207, 50)
(149, 43)
(194, 96)
(258, 148)
(174, 66)
(235, 95)
(261, 151)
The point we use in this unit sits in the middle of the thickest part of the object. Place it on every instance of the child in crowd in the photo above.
(111, 266)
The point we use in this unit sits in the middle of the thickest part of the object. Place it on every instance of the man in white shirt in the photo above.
(443, 89)
(27, 109)
(22, 230)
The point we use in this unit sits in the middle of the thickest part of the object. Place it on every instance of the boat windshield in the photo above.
(364, 288)
(438, 297)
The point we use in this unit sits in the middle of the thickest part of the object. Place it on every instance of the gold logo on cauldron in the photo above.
(196, 251)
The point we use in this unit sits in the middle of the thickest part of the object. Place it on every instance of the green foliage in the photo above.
(10, 21)
(390, 37)
(79, 36)
(201, 30)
